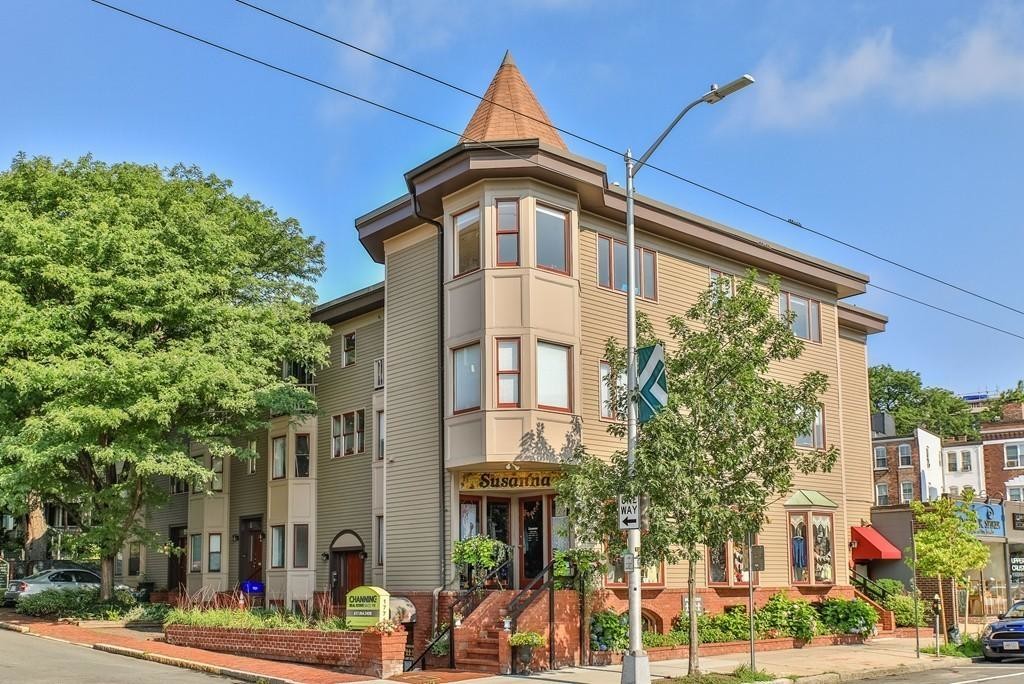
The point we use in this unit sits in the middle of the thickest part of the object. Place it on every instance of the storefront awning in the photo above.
(871, 545)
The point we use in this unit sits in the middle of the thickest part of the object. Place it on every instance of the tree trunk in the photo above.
(35, 530)
(942, 611)
(107, 577)
(691, 595)
(954, 599)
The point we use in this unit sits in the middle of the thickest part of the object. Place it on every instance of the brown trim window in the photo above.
(508, 367)
(213, 557)
(300, 546)
(337, 439)
(352, 432)
(728, 564)
(608, 403)
(466, 378)
(134, 558)
(217, 465)
(348, 349)
(806, 323)
(649, 577)
(554, 376)
(611, 268)
(811, 547)
(467, 241)
(280, 458)
(815, 439)
(552, 239)
(277, 546)
(302, 455)
(507, 232)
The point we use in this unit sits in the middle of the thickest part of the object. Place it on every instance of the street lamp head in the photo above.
(716, 93)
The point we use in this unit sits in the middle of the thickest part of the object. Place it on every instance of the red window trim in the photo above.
(653, 585)
(566, 239)
(787, 294)
(569, 385)
(809, 514)
(455, 240)
(470, 409)
(498, 372)
(499, 231)
(729, 582)
(479, 501)
(611, 267)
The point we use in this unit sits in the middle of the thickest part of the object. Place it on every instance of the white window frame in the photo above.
(1015, 493)
(337, 437)
(604, 370)
(884, 458)
(966, 461)
(952, 461)
(881, 490)
(1018, 456)
(909, 454)
(904, 485)
(478, 392)
(479, 241)
(541, 379)
(815, 439)
(282, 472)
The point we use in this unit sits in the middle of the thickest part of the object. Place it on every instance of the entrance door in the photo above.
(250, 550)
(177, 565)
(531, 538)
(346, 574)
(498, 518)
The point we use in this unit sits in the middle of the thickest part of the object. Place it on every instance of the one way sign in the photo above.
(629, 513)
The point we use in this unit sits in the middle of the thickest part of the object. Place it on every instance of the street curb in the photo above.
(11, 627)
(880, 672)
(192, 665)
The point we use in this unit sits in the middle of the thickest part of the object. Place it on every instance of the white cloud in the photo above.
(986, 61)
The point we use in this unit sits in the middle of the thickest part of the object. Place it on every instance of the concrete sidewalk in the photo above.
(879, 658)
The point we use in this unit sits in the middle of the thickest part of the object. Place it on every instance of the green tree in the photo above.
(945, 541)
(994, 411)
(142, 311)
(912, 405)
(722, 451)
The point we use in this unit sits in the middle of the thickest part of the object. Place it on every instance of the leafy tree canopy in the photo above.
(912, 405)
(945, 539)
(141, 310)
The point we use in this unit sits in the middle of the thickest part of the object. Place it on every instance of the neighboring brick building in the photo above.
(906, 467)
(1003, 449)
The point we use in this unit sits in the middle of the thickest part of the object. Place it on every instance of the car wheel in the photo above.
(992, 659)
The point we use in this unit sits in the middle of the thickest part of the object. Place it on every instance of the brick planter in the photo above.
(682, 652)
(365, 653)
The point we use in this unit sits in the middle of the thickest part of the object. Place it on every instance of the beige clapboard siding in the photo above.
(856, 427)
(411, 495)
(682, 275)
(344, 486)
(160, 519)
(248, 498)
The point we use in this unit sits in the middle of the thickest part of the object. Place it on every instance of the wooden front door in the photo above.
(177, 565)
(346, 574)
(531, 539)
(250, 550)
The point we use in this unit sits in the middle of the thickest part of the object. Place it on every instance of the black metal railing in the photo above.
(869, 587)
(467, 601)
(544, 581)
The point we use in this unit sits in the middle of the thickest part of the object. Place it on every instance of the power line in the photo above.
(671, 174)
(444, 129)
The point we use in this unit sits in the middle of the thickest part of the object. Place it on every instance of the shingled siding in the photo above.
(411, 517)
(344, 485)
(161, 519)
(248, 498)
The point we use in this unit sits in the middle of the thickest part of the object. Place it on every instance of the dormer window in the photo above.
(467, 241)
(552, 226)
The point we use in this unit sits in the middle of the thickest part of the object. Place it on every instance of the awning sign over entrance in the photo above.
(520, 479)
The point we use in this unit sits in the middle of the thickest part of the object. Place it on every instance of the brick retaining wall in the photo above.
(375, 655)
(677, 652)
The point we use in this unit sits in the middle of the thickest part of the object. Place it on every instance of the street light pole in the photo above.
(636, 668)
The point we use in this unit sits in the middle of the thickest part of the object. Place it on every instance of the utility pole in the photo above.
(636, 668)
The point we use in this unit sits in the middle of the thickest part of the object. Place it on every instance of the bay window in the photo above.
(277, 546)
(466, 372)
(217, 465)
(195, 553)
(806, 323)
(728, 564)
(811, 548)
(300, 550)
(554, 366)
(507, 232)
(552, 239)
(467, 241)
(280, 458)
(508, 372)
(213, 560)
(301, 455)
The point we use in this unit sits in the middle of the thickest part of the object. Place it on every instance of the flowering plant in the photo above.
(386, 627)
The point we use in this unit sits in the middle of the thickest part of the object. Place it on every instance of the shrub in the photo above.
(842, 616)
(531, 639)
(656, 639)
(250, 619)
(732, 625)
(782, 616)
(902, 607)
(891, 586)
(83, 604)
(608, 631)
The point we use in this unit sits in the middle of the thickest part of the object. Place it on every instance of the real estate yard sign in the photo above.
(366, 606)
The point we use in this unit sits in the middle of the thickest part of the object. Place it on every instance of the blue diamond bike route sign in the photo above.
(651, 381)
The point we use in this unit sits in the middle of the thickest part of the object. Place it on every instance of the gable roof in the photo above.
(500, 115)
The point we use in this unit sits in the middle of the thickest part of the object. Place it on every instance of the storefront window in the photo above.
(798, 546)
(716, 565)
(469, 518)
(560, 540)
(651, 575)
(824, 558)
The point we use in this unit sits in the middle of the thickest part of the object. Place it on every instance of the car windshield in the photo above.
(1016, 612)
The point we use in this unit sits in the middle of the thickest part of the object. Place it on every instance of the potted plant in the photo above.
(523, 643)
(479, 554)
(458, 619)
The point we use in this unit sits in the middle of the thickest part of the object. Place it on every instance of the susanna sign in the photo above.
(520, 479)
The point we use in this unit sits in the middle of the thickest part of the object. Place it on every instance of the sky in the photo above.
(892, 126)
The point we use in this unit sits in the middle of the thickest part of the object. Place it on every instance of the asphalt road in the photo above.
(28, 659)
(976, 673)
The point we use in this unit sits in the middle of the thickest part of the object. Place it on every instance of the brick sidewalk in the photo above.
(143, 641)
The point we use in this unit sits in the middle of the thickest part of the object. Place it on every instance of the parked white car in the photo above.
(57, 578)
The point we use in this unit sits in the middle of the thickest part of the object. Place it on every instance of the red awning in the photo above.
(871, 545)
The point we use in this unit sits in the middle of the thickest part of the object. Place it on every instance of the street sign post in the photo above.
(629, 513)
(651, 381)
